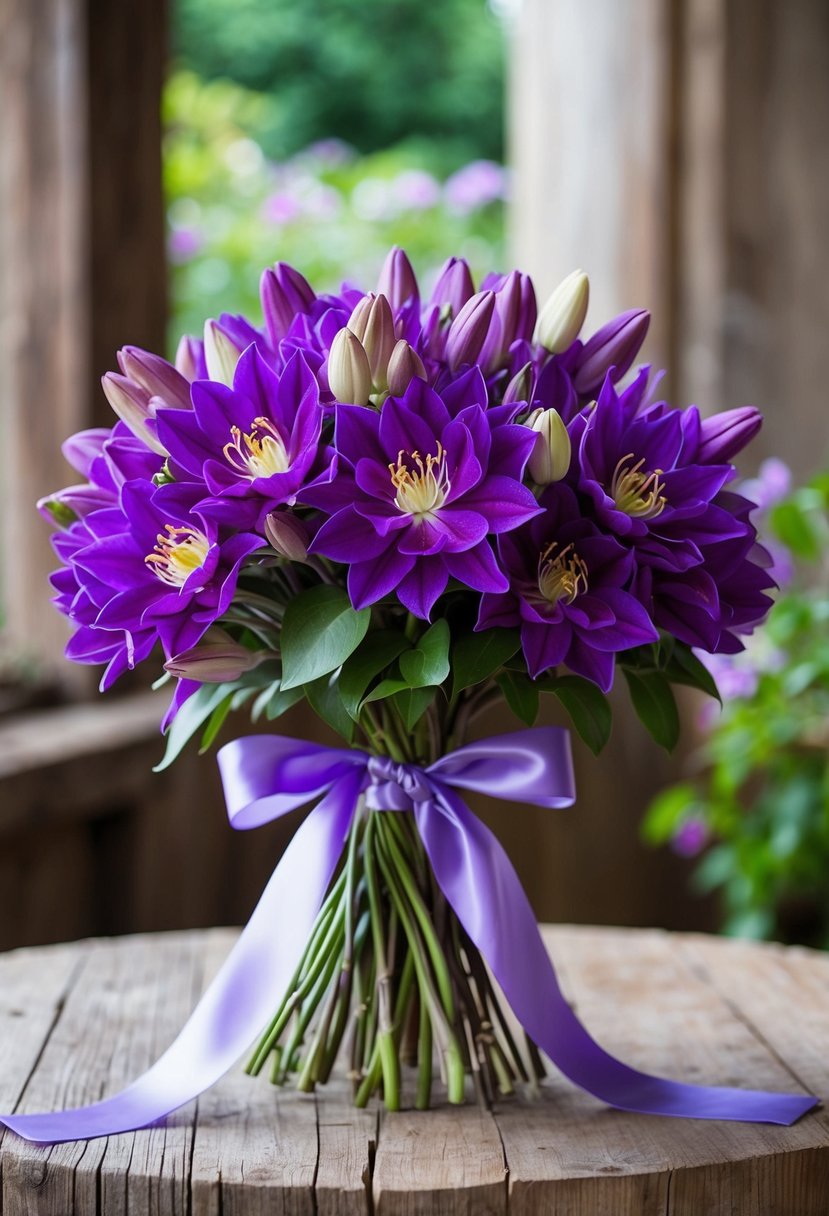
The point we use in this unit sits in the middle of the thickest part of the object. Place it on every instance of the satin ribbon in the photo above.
(266, 777)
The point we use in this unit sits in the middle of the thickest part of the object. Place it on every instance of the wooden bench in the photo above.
(78, 1021)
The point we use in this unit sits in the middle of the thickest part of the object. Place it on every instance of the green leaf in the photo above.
(319, 632)
(684, 667)
(324, 698)
(428, 662)
(667, 812)
(587, 706)
(413, 703)
(796, 530)
(369, 659)
(477, 656)
(281, 701)
(190, 718)
(654, 702)
(215, 723)
(386, 688)
(521, 695)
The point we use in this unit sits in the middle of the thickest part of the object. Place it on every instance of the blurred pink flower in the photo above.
(281, 207)
(183, 243)
(690, 838)
(416, 190)
(475, 185)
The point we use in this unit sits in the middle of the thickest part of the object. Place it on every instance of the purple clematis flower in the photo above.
(165, 570)
(419, 488)
(567, 592)
(255, 444)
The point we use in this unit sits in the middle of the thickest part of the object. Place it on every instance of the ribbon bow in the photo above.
(267, 776)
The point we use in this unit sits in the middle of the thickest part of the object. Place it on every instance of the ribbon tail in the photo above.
(240, 1000)
(479, 881)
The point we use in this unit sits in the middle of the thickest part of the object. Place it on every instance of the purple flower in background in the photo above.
(254, 445)
(418, 491)
(691, 837)
(161, 567)
(475, 185)
(281, 207)
(567, 592)
(183, 243)
(416, 190)
(772, 484)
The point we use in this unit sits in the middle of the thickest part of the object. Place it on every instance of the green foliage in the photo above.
(331, 212)
(371, 73)
(761, 796)
(588, 707)
(319, 632)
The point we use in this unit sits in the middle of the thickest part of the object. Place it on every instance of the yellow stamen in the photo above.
(638, 494)
(178, 552)
(421, 485)
(561, 576)
(259, 453)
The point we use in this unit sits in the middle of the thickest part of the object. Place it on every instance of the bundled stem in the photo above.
(389, 975)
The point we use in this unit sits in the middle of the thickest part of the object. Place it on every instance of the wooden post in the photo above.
(81, 244)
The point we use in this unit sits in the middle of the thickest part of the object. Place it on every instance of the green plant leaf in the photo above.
(282, 700)
(477, 656)
(683, 667)
(413, 703)
(191, 717)
(427, 663)
(521, 694)
(667, 812)
(215, 723)
(320, 631)
(654, 702)
(386, 688)
(796, 530)
(369, 659)
(588, 707)
(324, 698)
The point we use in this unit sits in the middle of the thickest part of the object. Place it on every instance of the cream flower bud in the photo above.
(405, 363)
(221, 354)
(373, 324)
(550, 458)
(349, 372)
(134, 406)
(563, 315)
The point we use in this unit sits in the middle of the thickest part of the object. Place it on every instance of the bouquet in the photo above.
(405, 511)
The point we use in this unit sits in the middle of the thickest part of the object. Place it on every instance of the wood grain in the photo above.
(78, 1021)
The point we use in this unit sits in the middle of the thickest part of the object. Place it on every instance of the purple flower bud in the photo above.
(134, 406)
(284, 293)
(154, 374)
(724, 435)
(454, 286)
(287, 535)
(64, 507)
(690, 838)
(615, 345)
(470, 329)
(397, 280)
(404, 365)
(515, 313)
(216, 660)
(81, 449)
(190, 358)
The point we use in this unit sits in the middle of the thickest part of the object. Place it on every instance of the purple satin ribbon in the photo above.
(268, 776)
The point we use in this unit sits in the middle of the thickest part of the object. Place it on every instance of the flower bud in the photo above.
(287, 535)
(515, 308)
(221, 353)
(83, 448)
(454, 286)
(349, 373)
(550, 458)
(64, 507)
(562, 317)
(404, 364)
(520, 386)
(397, 280)
(470, 329)
(284, 293)
(190, 358)
(215, 660)
(722, 436)
(372, 324)
(133, 406)
(615, 345)
(154, 374)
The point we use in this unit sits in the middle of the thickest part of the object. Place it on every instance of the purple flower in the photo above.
(419, 488)
(690, 838)
(161, 566)
(255, 444)
(475, 185)
(772, 484)
(184, 243)
(611, 349)
(107, 458)
(567, 592)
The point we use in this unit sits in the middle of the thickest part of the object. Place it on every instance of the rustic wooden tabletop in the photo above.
(78, 1021)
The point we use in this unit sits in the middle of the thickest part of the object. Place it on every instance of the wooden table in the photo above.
(78, 1021)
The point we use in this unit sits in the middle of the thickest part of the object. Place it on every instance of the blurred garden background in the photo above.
(155, 155)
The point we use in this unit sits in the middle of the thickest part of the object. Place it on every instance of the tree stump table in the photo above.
(78, 1021)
